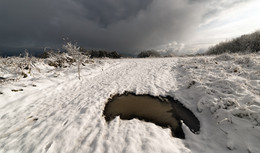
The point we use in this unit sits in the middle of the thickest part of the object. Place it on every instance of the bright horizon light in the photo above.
(232, 23)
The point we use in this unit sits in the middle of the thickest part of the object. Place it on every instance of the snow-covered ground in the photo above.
(57, 112)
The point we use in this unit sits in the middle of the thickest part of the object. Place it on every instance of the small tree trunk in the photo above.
(79, 69)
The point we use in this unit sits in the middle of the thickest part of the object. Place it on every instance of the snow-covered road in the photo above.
(64, 114)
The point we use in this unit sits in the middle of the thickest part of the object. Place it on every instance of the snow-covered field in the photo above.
(51, 110)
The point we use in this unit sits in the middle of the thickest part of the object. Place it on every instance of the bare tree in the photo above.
(74, 51)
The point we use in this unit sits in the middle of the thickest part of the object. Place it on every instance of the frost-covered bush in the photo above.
(27, 62)
(224, 57)
(14, 68)
(246, 61)
(59, 60)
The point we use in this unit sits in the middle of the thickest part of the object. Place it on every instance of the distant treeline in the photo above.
(149, 53)
(155, 53)
(90, 53)
(244, 44)
(100, 53)
(107, 54)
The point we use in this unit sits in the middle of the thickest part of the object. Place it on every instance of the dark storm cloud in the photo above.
(123, 25)
(26, 23)
(105, 12)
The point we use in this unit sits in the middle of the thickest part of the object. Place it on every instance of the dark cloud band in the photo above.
(123, 25)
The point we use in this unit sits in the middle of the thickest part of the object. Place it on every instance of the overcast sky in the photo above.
(127, 26)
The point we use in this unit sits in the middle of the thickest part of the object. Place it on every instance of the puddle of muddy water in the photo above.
(162, 111)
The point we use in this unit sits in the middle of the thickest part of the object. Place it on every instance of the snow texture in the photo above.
(53, 111)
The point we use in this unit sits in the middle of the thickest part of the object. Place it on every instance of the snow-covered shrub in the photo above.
(26, 64)
(224, 57)
(246, 61)
(59, 60)
(14, 68)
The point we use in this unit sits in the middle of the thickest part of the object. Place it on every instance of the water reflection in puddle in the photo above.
(162, 111)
